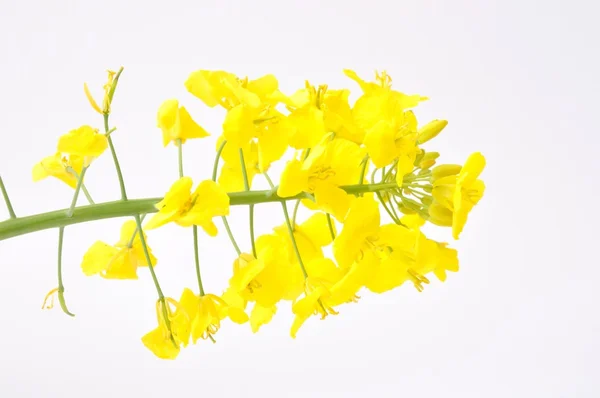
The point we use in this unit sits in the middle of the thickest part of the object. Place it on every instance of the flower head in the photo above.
(84, 142)
(177, 124)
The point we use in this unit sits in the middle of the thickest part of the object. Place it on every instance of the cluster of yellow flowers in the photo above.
(335, 147)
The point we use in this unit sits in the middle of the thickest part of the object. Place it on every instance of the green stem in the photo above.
(77, 189)
(11, 211)
(195, 228)
(61, 288)
(87, 194)
(293, 239)
(147, 255)
(230, 234)
(251, 210)
(100, 211)
(83, 187)
(134, 234)
(114, 153)
(363, 170)
(330, 223)
(295, 213)
(216, 163)
(180, 156)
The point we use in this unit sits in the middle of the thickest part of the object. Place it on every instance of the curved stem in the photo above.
(293, 239)
(147, 255)
(198, 275)
(114, 156)
(230, 234)
(11, 211)
(61, 288)
(99, 211)
(216, 163)
(295, 213)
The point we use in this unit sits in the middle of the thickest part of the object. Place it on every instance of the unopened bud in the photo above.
(430, 130)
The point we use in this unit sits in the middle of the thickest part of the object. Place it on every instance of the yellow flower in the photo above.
(456, 194)
(172, 332)
(177, 124)
(106, 99)
(207, 311)
(231, 177)
(318, 111)
(61, 167)
(185, 208)
(121, 260)
(225, 89)
(378, 257)
(330, 164)
(323, 274)
(431, 256)
(85, 142)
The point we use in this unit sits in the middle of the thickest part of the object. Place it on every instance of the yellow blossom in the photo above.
(121, 260)
(177, 124)
(330, 164)
(65, 168)
(207, 311)
(185, 208)
(456, 194)
(85, 142)
(172, 332)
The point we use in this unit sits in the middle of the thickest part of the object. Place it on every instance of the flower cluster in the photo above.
(360, 168)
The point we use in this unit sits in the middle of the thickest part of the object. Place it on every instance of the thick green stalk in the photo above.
(99, 211)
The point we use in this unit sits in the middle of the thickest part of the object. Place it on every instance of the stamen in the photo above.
(50, 296)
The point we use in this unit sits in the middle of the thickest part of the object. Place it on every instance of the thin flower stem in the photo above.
(83, 187)
(11, 211)
(87, 194)
(363, 170)
(251, 210)
(130, 243)
(230, 234)
(114, 153)
(180, 156)
(195, 228)
(214, 178)
(293, 239)
(330, 223)
(147, 255)
(61, 288)
(77, 189)
(295, 213)
(216, 163)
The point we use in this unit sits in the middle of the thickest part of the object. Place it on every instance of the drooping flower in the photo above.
(206, 312)
(172, 332)
(119, 261)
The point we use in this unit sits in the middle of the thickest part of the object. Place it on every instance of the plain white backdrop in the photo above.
(517, 80)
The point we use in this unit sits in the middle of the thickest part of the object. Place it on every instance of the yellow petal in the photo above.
(98, 258)
(333, 200)
(261, 316)
(293, 180)
(160, 345)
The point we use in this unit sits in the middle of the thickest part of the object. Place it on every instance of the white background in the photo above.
(517, 80)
